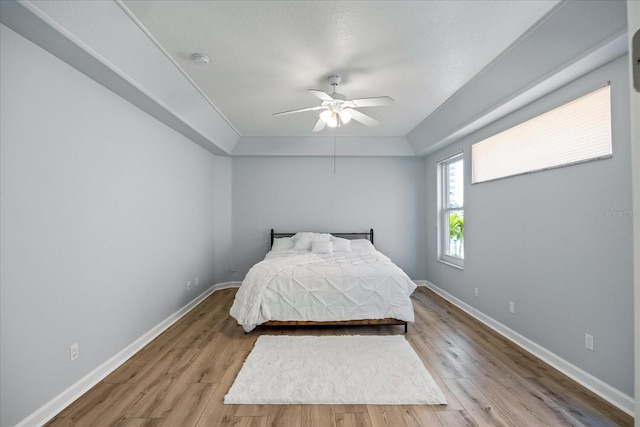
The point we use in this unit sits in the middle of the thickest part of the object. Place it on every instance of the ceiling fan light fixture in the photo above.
(326, 115)
(330, 118)
(345, 116)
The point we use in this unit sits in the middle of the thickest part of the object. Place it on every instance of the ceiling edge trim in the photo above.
(323, 146)
(423, 138)
(611, 51)
(155, 41)
(487, 68)
(30, 22)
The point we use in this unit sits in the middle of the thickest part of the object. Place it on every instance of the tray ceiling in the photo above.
(266, 54)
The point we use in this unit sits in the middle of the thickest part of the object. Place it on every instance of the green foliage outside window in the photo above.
(456, 226)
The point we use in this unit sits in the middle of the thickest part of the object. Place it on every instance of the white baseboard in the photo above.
(225, 285)
(602, 389)
(64, 399)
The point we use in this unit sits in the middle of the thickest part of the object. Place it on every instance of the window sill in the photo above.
(451, 264)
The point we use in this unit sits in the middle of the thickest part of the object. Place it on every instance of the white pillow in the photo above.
(321, 247)
(362, 245)
(302, 241)
(282, 244)
(340, 244)
(303, 234)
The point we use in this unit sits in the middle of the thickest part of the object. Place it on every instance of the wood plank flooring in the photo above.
(181, 377)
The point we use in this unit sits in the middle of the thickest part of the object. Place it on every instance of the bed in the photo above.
(324, 279)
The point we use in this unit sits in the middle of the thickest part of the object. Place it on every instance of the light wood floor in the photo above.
(181, 377)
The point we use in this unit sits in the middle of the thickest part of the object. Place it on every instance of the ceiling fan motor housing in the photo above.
(334, 80)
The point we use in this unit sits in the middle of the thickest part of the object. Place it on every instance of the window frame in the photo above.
(444, 210)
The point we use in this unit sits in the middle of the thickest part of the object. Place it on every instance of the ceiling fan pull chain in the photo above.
(334, 143)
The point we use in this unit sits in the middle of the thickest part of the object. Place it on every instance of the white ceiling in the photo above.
(266, 54)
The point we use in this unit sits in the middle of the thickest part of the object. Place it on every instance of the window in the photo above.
(451, 211)
(575, 132)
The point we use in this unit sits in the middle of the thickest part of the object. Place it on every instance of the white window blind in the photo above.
(572, 133)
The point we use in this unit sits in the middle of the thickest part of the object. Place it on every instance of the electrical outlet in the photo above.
(588, 342)
(189, 284)
(197, 280)
(74, 352)
(512, 307)
(475, 291)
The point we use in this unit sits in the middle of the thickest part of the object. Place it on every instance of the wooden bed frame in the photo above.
(359, 322)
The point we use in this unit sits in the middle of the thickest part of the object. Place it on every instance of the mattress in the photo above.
(291, 285)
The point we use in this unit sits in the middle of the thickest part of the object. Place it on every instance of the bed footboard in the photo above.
(359, 322)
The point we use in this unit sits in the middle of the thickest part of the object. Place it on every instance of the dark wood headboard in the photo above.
(360, 235)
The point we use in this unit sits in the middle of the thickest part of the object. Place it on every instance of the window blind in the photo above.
(574, 132)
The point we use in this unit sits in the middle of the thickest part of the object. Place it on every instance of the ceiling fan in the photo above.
(337, 109)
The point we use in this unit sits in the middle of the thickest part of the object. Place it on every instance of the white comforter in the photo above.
(293, 285)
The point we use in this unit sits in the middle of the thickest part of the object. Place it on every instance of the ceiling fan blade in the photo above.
(377, 101)
(362, 118)
(320, 94)
(320, 124)
(283, 113)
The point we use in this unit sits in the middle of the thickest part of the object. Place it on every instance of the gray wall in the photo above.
(105, 215)
(546, 242)
(223, 219)
(304, 194)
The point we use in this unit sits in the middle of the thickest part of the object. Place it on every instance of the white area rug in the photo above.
(375, 370)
